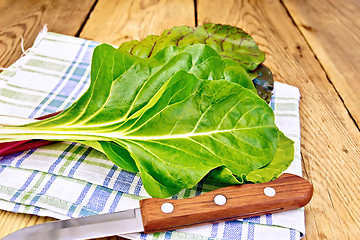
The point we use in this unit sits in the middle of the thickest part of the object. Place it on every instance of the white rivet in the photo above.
(269, 191)
(167, 207)
(220, 199)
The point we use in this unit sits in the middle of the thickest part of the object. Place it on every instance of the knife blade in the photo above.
(287, 192)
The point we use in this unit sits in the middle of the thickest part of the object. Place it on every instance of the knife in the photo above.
(287, 192)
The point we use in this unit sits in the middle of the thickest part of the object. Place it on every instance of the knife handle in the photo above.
(287, 192)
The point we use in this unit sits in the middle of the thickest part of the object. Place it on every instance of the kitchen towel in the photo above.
(67, 180)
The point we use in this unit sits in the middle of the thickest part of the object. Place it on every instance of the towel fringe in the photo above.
(42, 34)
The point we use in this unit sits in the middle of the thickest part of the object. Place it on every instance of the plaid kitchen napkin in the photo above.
(66, 180)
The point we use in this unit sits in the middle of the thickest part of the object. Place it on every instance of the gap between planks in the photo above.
(320, 63)
(87, 18)
(196, 13)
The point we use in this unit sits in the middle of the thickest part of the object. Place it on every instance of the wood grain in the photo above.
(26, 19)
(330, 139)
(331, 29)
(329, 32)
(117, 21)
(11, 222)
(242, 201)
(110, 21)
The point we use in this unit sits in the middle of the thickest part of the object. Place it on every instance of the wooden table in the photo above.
(313, 45)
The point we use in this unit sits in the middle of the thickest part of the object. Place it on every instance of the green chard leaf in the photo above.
(230, 42)
(282, 159)
(174, 117)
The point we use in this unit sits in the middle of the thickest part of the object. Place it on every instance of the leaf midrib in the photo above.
(85, 134)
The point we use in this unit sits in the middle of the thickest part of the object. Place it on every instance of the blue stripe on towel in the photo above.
(99, 198)
(233, 230)
(60, 158)
(50, 95)
(79, 199)
(79, 161)
(20, 161)
(110, 175)
(43, 190)
(24, 186)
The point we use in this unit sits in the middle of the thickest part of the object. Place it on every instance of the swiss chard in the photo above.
(174, 117)
(229, 41)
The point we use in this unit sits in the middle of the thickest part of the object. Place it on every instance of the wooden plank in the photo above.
(27, 18)
(10, 222)
(332, 29)
(117, 21)
(330, 139)
(110, 21)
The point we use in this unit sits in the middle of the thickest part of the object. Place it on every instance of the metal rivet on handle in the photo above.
(220, 199)
(167, 207)
(269, 191)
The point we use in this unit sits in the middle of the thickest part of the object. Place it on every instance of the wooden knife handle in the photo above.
(240, 201)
